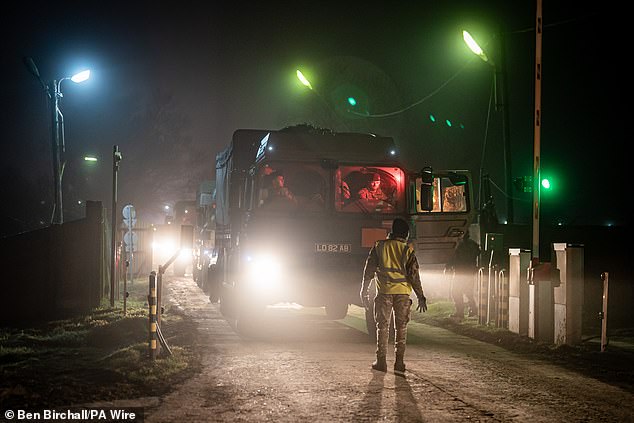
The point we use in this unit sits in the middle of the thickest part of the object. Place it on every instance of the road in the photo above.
(302, 366)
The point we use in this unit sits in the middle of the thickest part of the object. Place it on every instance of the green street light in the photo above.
(303, 79)
(473, 45)
(90, 159)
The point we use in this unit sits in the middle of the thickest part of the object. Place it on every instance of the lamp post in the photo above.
(54, 91)
(116, 158)
(501, 105)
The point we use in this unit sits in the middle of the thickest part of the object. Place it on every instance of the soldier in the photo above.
(394, 267)
(464, 263)
(278, 190)
(373, 191)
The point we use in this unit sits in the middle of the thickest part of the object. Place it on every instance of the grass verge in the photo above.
(100, 356)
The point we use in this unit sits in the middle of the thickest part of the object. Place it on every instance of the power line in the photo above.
(427, 97)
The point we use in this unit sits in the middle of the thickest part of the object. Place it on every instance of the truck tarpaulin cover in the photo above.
(237, 157)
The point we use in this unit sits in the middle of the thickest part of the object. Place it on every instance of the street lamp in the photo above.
(332, 117)
(501, 104)
(303, 79)
(54, 91)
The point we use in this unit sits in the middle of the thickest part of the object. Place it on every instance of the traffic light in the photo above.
(523, 183)
(352, 101)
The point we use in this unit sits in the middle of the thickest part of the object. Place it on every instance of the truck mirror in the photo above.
(427, 189)
(187, 236)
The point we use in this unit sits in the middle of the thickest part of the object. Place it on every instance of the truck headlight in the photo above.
(263, 271)
(185, 254)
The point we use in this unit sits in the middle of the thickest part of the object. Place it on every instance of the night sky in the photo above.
(172, 81)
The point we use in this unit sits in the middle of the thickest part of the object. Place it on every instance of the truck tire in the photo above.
(228, 306)
(336, 311)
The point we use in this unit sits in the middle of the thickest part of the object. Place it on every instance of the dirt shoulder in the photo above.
(614, 366)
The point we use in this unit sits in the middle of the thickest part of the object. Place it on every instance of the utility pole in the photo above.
(116, 158)
(537, 130)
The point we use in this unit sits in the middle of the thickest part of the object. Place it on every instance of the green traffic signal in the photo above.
(546, 184)
(352, 101)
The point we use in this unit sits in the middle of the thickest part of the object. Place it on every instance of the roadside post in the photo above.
(116, 158)
(568, 293)
(518, 291)
(154, 348)
(603, 315)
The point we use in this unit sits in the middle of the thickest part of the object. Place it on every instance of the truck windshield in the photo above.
(291, 186)
(361, 189)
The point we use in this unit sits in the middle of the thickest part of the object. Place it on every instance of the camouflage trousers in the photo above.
(384, 304)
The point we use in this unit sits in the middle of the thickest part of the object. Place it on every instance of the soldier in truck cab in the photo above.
(278, 190)
(373, 189)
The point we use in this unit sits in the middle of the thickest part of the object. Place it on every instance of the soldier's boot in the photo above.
(399, 365)
(380, 364)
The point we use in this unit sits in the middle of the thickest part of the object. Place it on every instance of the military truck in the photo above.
(293, 223)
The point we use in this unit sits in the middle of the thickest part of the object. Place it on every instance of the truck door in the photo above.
(442, 211)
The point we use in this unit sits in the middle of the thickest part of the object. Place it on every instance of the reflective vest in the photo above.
(391, 273)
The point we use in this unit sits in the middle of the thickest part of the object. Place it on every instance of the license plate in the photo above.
(332, 247)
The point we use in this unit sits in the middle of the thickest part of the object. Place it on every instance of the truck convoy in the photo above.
(298, 209)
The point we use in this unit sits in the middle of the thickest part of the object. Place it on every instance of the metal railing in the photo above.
(493, 297)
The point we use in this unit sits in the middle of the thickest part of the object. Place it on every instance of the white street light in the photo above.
(81, 76)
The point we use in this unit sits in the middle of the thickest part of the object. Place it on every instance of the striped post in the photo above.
(153, 344)
(483, 297)
(503, 301)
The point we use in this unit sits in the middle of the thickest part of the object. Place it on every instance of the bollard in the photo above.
(604, 312)
(153, 345)
(568, 293)
(483, 295)
(502, 320)
(518, 291)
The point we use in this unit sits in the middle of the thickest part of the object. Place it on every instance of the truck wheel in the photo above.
(336, 311)
(211, 283)
(249, 318)
(227, 302)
